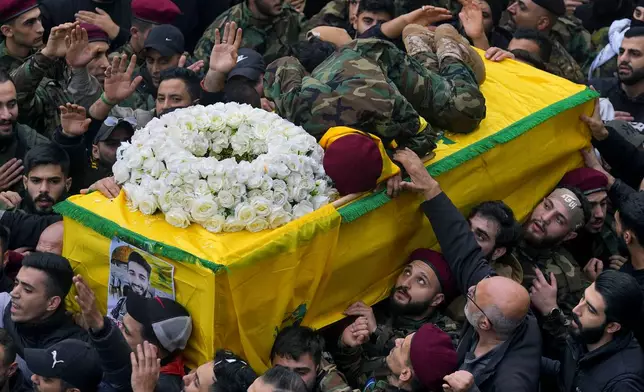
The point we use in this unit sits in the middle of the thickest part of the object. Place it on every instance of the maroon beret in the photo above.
(432, 356)
(354, 163)
(439, 265)
(10, 9)
(586, 180)
(155, 11)
(94, 33)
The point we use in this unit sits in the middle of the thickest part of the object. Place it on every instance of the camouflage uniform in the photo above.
(7, 61)
(600, 245)
(331, 380)
(371, 85)
(569, 32)
(40, 83)
(571, 281)
(369, 359)
(127, 49)
(407, 6)
(599, 41)
(272, 38)
(563, 64)
(335, 13)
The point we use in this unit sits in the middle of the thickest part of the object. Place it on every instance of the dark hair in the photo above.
(5, 235)
(234, 376)
(46, 154)
(631, 215)
(542, 40)
(386, 6)
(9, 346)
(5, 76)
(57, 268)
(241, 90)
(136, 258)
(530, 58)
(295, 341)
(509, 229)
(634, 32)
(190, 78)
(284, 380)
(313, 52)
(623, 297)
(141, 24)
(585, 204)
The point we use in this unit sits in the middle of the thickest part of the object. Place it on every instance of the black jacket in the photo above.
(25, 229)
(56, 12)
(626, 160)
(517, 362)
(611, 88)
(19, 383)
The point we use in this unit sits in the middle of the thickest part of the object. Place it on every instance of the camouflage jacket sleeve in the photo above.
(349, 361)
(556, 326)
(331, 380)
(206, 42)
(577, 41)
(83, 88)
(562, 64)
(334, 13)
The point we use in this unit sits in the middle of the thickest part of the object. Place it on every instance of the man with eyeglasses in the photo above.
(500, 348)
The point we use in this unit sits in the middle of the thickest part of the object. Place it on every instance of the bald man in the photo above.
(51, 239)
(501, 346)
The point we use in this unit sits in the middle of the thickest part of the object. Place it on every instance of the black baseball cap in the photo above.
(250, 64)
(165, 39)
(163, 318)
(73, 361)
(110, 124)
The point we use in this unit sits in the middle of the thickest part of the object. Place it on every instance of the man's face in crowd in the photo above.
(30, 301)
(46, 384)
(416, 290)
(525, 44)
(139, 278)
(269, 8)
(105, 152)
(488, 23)
(630, 61)
(589, 317)
(353, 10)
(399, 357)
(485, 231)
(200, 379)
(132, 331)
(599, 203)
(368, 19)
(6, 370)
(99, 62)
(527, 15)
(157, 64)
(172, 93)
(137, 38)
(638, 13)
(8, 109)
(304, 366)
(46, 185)
(26, 30)
(548, 225)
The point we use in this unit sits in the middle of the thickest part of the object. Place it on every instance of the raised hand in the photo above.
(118, 83)
(421, 180)
(145, 368)
(223, 57)
(543, 295)
(357, 333)
(56, 47)
(86, 299)
(427, 15)
(73, 120)
(11, 173)
(593, 269)
(101, 19)
(595, 123)
(361, 309)
(79, 53)
(471, 17)
(10, 199)
(194, 67)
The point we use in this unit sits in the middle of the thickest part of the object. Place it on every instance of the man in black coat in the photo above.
(501, 346)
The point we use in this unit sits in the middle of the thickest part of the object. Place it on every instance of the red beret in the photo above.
(10, 9)
(155, 11)
(432, 356)
(354, 163)
(437, 262)
(94, 33)
(586, 180)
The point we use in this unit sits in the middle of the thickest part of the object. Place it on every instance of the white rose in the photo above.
(233, 225)
(201, 188)
(320, 200)
(257, 224)
(215, 224)
(207, 166)
(258, 147)
(244, 213)
(307, 184)
(203, 208)
(254, 193)
(217, 122)
(267, 183)
(302, 209)
(153, 167)
(240, 143)
(177, 217)
(226, 199)
(166, 198)
(279, 185)
(173, 179)
(134, 160)
(254, 181)
(238, 190)
(147, 203)
(234, 120)
(121, 172)
(280, 198)
(261, 205)
(215, 183)
(278, 218)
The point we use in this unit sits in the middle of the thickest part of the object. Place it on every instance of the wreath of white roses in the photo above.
(227, 167)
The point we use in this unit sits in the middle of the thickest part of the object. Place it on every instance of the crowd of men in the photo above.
(554, 303)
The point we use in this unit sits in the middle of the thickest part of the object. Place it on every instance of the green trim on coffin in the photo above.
(109, 229)
(367, 204)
